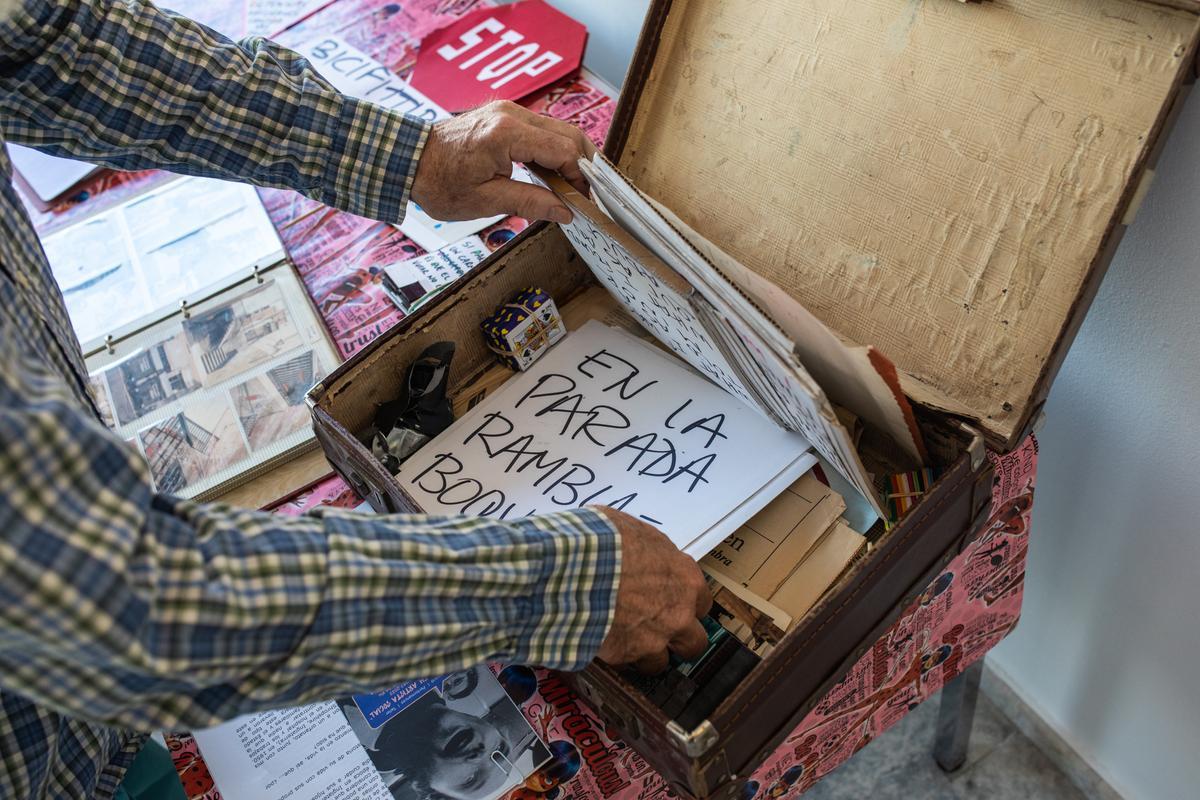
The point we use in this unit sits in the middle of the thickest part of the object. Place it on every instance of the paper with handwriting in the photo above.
(607, 419)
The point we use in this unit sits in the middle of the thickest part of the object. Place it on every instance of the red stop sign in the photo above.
(501, 53)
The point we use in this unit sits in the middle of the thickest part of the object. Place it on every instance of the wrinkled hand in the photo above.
(660, 598)
(465, 170)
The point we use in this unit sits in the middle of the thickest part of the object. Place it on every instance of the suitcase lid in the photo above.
(943, 180)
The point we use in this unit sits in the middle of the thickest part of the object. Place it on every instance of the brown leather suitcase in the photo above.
(944, 180)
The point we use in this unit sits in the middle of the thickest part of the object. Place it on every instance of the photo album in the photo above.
(200, 340)
(123, 268)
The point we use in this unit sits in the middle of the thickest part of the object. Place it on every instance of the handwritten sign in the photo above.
(501, 53)
(606, 419)
(701, 326)
(659, 308)
(354, 73)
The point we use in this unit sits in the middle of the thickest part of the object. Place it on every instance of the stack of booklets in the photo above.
(774, 569)
(742, 332)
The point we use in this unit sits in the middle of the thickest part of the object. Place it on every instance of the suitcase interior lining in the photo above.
(934, 178)
(546, 259)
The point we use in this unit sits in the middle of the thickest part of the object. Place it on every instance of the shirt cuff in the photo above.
(373, 161)
(572, 606)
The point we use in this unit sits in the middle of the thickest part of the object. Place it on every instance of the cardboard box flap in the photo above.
(935, 178)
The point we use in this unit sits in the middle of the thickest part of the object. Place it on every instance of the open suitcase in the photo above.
(946, 181)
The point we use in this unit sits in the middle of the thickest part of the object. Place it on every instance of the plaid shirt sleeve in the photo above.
(138, 610)
(121, 83)
(142, 611)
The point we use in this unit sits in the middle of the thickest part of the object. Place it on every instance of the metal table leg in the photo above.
(955, 716)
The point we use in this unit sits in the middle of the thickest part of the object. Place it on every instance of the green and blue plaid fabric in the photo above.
(123, 611)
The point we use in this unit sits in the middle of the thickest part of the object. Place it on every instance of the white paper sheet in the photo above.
(48, 176)
(605, 419)
(434, 234)
(417, 278)
(461, 732)
(269, 17)
(308, 753)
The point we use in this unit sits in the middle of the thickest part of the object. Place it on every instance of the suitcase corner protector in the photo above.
(695, 742)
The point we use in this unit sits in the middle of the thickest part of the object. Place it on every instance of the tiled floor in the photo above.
(1002, 764)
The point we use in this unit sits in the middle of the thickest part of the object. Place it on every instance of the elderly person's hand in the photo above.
(465, 170)
(660, 599)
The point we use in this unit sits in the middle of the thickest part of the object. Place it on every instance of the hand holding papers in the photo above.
(605, 419)
(356, 74)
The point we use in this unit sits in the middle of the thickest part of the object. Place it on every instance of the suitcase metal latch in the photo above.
(976, 449)
(696, 742)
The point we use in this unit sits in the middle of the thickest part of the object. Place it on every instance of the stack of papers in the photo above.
(744, 333)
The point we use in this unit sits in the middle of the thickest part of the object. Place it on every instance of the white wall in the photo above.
(1109, 644)
(1108, 650)
(613, 27)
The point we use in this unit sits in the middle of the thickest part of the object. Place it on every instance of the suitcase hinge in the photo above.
(976, 449)
(696, 742)
(314, 393)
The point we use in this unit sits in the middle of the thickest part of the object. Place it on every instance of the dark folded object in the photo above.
(421, 412)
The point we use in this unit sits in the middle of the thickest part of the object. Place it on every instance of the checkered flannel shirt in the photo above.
(123, 611)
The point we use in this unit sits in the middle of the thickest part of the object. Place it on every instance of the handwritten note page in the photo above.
(709, 332)
(606, 419)
(858, 378)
